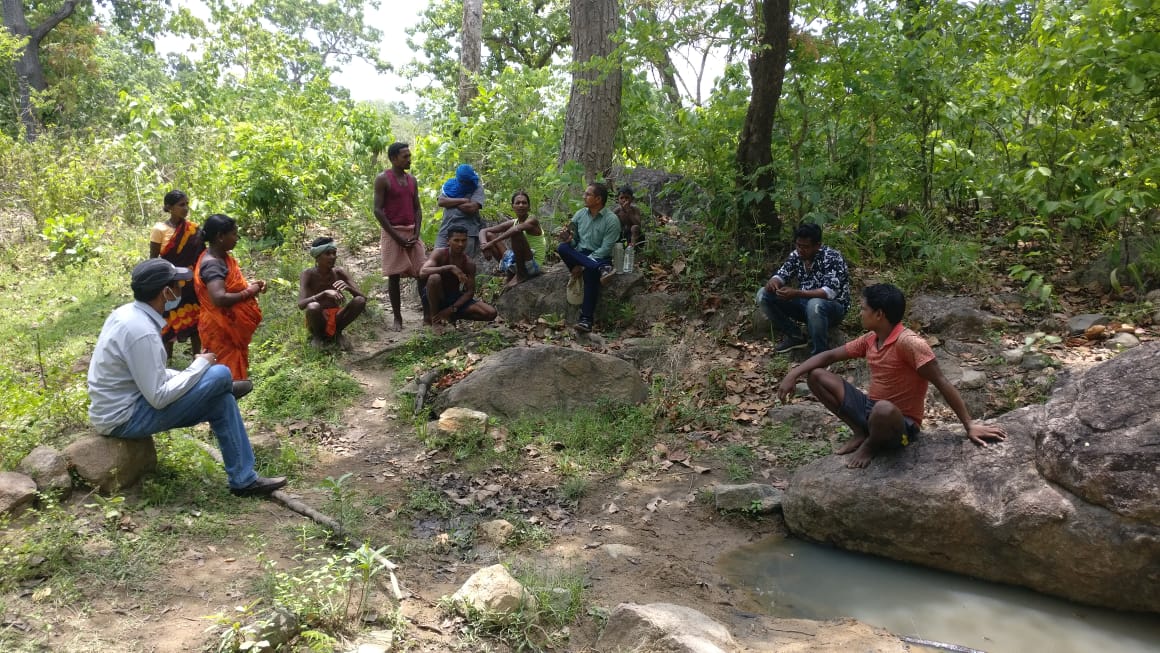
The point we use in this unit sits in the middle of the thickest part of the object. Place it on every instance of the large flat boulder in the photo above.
(1068, 505)
(521, 380)
(662, 628)
(544, 295)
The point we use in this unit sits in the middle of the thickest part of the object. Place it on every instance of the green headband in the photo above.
(323, 248)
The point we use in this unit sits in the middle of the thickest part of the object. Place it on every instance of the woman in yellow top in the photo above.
(179, 241)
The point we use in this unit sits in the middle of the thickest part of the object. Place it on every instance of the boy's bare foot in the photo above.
(343, 342)
(851, 446)
(862, 458)
(317, 343)
(398, 324)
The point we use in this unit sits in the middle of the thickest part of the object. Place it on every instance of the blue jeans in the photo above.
(211, 400)
(787, 314)
(573, 257)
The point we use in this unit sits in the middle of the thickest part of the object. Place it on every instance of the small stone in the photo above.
(462, 420)
(1036, 361)
(496, 532)
(973, 380)
(17, 492)
(1124, 341)
(1078, 324)
(615, 550)
(1013, 356)
(493, 591)
(749, 497)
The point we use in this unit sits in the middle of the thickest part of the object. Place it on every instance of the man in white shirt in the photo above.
(132, 394)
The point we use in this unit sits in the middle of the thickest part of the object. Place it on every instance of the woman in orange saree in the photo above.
(178, 241)
(229, 305)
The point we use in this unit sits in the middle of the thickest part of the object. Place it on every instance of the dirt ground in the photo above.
(642, 536)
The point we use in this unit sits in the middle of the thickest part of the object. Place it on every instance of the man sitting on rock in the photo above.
(133, 395)
(820, 300)
(449, 275)
(586, 248)
(320, 294)
(901, 367)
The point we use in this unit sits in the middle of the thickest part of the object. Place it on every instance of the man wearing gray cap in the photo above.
(133, 395)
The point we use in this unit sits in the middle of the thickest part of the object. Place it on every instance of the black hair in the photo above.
(395, 148)
(808, 231)
(456, 229)
(173, 197)
(601, 191)
(321, 240)
(627, 191)
(149, 294)
(216, 225)
(521, 192)
(886, 298)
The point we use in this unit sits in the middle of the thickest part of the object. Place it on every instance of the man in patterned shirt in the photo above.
(821, 298)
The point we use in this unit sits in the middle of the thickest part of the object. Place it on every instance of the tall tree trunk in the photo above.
(29, 70)
(594, 101)
(758, 219)
(470, 54)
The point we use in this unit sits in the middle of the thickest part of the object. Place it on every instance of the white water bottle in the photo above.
(629, 259)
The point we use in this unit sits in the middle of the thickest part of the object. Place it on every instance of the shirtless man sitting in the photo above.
(517, 260)
(320, 294)
(449, 276)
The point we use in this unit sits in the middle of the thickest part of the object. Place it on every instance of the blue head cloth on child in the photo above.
(463, 184)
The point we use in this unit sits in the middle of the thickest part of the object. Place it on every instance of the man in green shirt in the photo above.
(586, 248)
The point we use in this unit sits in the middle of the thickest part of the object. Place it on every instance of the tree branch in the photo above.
(40, 31)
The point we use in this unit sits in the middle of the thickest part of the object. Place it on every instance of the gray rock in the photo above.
(276, 626)
(662, 628)
(49, 468)
(1153, 296)
(17, 492)
(109, 464)
(544, 378)
(1034, 360)
(802, 414)
(1124, 341)
(953, 317)
(972, 380)
(1013, 356)
(749, 497)
(1068, 505)
(494, 592)
(655, 190)
(544, 295)
(1076, 325)
(648, 308)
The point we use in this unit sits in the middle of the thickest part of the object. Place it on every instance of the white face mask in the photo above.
(171, 304)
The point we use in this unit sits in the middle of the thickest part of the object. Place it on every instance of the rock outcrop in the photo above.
(535, 379)
(1068, 505)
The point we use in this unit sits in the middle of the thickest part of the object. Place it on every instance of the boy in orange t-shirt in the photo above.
(900, 370)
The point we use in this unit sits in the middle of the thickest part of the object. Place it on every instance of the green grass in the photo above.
(600, 437)
(790, 447)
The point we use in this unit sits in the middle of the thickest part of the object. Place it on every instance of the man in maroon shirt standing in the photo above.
(398, 212)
